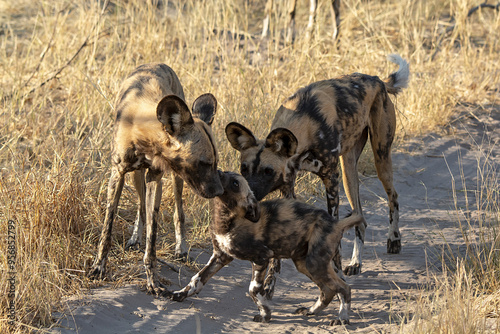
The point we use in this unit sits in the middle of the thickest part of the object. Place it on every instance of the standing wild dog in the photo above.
(312, 129)
(155, 130)
(313, 5)
(245, 229)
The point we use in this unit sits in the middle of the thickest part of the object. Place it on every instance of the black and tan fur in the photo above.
(244, 229)
(155, 132)
(316, 127)
(313, 6)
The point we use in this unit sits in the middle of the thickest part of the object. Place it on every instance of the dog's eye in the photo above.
(244, 168)
(268, 171)
(205, 164)
(236, 184)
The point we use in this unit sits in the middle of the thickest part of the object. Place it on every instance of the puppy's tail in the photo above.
(399, 79)
(349, 222)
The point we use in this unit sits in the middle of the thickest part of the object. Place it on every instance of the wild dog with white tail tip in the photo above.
(245, 229)
(316, 127)
(155, 131)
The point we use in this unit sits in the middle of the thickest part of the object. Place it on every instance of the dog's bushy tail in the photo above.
(349, 222)
(399, 79)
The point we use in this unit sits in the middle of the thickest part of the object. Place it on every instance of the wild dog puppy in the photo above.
(316, 126)
(313, 5)
(244, 229)
(155, 131)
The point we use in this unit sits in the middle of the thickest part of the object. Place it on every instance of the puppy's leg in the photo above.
(258, 294)
(115, 187)
(322, 273)
(349, 163)
(198, 281)
(343, 291)
(270, 282)
(320, 277)
(179, 219)
(153, 198)
(140, 186)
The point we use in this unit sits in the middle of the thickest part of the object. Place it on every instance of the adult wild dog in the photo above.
(317, 125)
(155, 131)
(313, 5)
(283, 228)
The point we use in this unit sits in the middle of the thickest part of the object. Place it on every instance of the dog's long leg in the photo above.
(335, 11)
(257, 293)
(382, 129)
(179, 219)
(140, 186)
(331, 182)
(153, 197)
(115, 187)
(290, 36)
(198, 281)
(349, 163)
(384, 172)
(313, 5)
(265, 23)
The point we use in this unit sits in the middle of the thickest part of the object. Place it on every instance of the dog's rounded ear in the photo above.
(174, 114)
(205, 107)
(282, 141)
(240, 137)
(253, 210)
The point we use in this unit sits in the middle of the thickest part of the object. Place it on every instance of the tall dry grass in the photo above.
(61, 63)
(465, 298)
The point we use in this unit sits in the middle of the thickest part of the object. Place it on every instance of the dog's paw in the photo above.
(337, 322)
(183, 257)
(132, 245)
(259, 318)
(352, 269)
(393, 246)
(97, 272)
(303, 311)
(178, 296)
(158, 290)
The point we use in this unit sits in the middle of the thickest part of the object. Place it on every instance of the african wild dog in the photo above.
(290, 36)
(155, 130)
(245, 229)
(315, 126)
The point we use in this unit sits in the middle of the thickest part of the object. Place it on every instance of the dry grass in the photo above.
(465, 298)
(55, 134)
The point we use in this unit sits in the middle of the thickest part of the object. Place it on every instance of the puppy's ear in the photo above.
(205, 107)
(253, 210)
(240, 137)
(174, 114)
(282, 141)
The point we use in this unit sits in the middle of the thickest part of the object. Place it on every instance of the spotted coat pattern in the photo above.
(155, 132)
(275, 229)
(320, 126)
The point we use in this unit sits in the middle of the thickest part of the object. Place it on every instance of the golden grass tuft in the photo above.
(61, 63)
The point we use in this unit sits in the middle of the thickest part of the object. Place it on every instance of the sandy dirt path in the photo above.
(424, 170)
